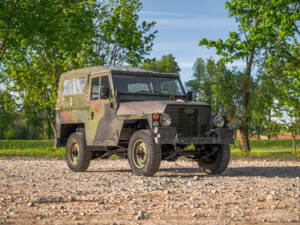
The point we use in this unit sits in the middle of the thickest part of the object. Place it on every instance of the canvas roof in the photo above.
(114, 69)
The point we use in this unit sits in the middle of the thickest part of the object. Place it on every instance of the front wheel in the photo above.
(217, 160)
(144, 155)
(78, 157)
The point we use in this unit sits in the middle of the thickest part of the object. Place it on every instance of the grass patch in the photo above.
(265, 154)
(45, 148)
(279, 144)
(32, 148)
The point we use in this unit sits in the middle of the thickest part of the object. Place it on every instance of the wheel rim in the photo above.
(74, 153)
(139, 153)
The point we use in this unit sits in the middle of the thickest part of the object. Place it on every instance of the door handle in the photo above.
(92, 115)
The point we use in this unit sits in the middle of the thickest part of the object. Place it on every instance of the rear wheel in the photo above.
(217, 160)
(144, 155)
(78, 157)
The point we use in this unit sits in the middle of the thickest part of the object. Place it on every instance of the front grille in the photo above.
(190, 121)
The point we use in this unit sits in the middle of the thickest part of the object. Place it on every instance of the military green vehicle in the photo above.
(137, 114)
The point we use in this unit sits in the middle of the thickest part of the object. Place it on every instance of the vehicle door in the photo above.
(101, 113)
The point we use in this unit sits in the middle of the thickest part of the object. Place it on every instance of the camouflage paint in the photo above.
(105, 127)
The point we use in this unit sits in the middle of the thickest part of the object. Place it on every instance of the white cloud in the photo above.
(186, 64)
(166, 14)
(181, 20)
(197, 23)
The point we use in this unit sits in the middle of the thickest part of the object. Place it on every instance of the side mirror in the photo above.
(190, 95)
(104, 93)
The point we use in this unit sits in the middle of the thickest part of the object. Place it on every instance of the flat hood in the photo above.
(149, 107)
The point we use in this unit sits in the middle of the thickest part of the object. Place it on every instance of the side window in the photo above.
(74, 86)
(97, 84)
(95, 88)
(105, 83)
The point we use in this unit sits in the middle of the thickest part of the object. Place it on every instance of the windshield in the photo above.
(147, 85)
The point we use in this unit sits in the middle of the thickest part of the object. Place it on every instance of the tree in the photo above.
(38, 24)
(167, 64)
(285, 90)
(120, 36)
(213, 83)
(79, 34)
(7, 114)
(267, 25)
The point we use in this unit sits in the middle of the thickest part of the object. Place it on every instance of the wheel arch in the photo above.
(131, 126)
(67, 129)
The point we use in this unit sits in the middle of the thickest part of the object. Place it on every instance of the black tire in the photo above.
(78, 156)
(218, 162)
(144, 155)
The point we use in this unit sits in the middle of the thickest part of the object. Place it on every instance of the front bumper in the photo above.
(168, 135)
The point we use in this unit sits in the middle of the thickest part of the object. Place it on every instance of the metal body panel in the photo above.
(103, 119)
(168, 135)
(147, 107)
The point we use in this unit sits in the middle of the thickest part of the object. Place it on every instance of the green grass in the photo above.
(267, 145)
(33, 148)
(44, 148)
(264, 154)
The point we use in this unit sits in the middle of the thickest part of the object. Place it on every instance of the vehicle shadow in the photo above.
(253, 171)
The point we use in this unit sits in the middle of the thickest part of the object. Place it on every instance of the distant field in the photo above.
(268, 145)
(44, 148)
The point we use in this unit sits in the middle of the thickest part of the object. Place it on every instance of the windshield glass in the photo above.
(147, 85)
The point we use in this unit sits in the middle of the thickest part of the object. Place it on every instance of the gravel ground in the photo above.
(249, 192)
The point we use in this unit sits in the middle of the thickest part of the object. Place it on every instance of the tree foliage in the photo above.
(42, 39)
(167, 64)
(7, 111)
(285, 91)
(266, 25)
(215, 84)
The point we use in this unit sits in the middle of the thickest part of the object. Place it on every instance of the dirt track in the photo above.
(249, 192)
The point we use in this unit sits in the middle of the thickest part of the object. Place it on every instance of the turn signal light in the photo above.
(228, 118)
(156, 116)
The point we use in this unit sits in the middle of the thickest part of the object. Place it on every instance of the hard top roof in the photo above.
(122, 70)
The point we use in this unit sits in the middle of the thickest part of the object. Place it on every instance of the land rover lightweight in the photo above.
(140, 115)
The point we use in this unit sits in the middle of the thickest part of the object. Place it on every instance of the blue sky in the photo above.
(181, 24)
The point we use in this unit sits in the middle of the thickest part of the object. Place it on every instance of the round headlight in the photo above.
(219, 121)
(165, 120)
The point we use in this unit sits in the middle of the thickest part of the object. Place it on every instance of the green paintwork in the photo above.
(103, 119)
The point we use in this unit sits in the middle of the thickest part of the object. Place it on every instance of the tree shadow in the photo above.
(252, 171)
(109, 171)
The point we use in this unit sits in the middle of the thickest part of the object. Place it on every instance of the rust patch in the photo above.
(98, 104)
(67, 116)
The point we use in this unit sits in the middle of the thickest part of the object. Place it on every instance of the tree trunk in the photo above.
(49, 130)
(51, 122)
(294, 141)
(2, 49)
(244, 127)
(29, 129)
(269, 124)
(1, 133)
(244, 133)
